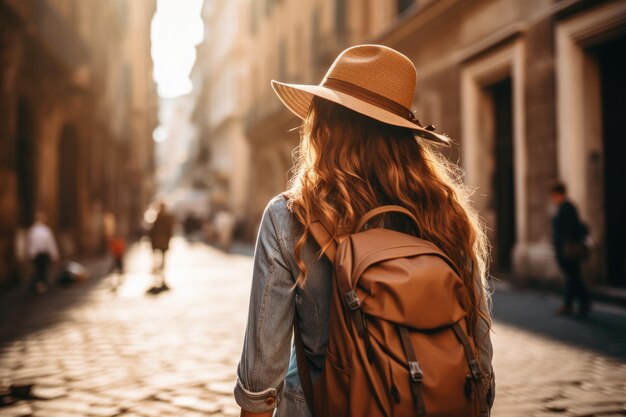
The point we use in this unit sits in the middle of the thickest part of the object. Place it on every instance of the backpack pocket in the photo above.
(336, 381)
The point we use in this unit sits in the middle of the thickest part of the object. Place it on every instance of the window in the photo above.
(68, 174)
(282, 59)
(403, 5)
(25, 159)
(315, 35)
(127, 83)
(340, 19)
(253, 17)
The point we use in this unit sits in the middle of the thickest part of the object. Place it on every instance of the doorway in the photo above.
(494, 152)
(611, 61)
(68, 180)
(25, 164)
(503, 177)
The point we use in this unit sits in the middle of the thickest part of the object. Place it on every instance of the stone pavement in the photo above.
(92, 351)
(556, 366)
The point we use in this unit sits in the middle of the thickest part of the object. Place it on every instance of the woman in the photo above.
(361, 148)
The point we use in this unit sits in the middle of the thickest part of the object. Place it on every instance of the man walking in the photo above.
(42, 250)
(160, 235)
(568, 238)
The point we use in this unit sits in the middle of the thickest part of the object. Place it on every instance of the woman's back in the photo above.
(359, 150)
(268, 368)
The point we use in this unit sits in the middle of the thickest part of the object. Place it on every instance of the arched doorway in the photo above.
(494, 151)
(611, 66)
(67, 196)
(26, 164)
(590, 67)
(500, 96)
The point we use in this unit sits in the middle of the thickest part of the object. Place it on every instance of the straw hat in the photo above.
(373, 80)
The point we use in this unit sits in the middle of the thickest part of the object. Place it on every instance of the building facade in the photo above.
(296, 42)
(528, 90)
(174, 148)
(78, 107)
(220, 76)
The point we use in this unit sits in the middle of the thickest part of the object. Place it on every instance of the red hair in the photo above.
(348, 164)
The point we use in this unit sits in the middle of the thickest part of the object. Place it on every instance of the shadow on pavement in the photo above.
(22, 312)
(604, 331)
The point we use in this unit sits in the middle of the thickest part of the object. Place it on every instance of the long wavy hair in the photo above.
(348, 164)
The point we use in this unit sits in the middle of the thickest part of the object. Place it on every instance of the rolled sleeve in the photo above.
(255, 401)
(267, 343)
(486, 348)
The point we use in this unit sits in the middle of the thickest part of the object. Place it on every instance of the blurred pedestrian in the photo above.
(42, 251)
(192, 226)
(568, 237)
(224, 223)
(189, 224)
(160, 235)
(117, 248)
(320, 341)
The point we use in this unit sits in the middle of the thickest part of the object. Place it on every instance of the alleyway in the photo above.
(91, 351)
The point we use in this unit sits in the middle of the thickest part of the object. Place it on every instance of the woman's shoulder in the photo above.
(283, 219)
(278, 205)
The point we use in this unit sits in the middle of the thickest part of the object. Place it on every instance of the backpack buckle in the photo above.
(415, 371)
(352, 300)
(475, 369)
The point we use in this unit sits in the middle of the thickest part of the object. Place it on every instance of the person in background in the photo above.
(224, 224)
(117, 248)
(568, 238)
(160, 235)
(42, 251)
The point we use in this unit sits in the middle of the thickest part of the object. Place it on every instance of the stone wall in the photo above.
(76, 124)
(463, 50)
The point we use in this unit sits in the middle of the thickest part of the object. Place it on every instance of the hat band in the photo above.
(370, 97)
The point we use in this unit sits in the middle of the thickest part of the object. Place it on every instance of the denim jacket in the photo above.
(267, 375)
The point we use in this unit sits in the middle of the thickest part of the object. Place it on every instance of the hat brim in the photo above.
(297, 98)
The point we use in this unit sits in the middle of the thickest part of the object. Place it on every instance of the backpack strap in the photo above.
(303, 367)
(415, 372)
(474, 367)
(385, 209)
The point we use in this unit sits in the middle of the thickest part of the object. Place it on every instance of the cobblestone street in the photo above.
(93, 351)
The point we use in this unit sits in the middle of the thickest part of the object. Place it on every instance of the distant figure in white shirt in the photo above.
(42, 250)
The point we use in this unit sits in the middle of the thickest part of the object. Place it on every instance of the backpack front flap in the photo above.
(401, 284)
(402, 279)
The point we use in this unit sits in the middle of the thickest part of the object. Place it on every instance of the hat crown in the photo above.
(378, 69)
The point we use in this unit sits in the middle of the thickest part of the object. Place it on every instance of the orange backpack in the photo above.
(398, 342)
